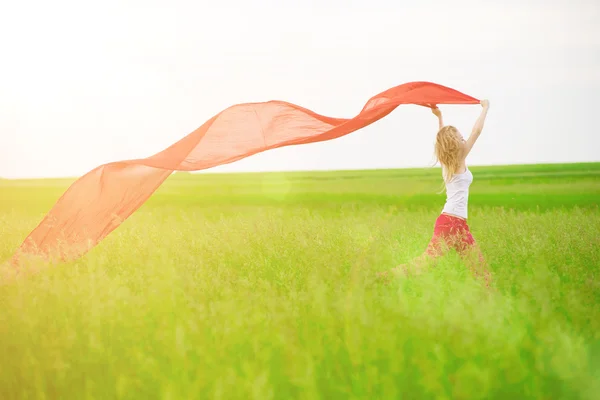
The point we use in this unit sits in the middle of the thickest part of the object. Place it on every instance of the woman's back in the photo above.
(457, 194)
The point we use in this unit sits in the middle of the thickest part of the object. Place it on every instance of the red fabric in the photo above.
(454, 233)
(99, 201)
(450, 233)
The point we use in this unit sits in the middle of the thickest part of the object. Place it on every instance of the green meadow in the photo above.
(263, 286)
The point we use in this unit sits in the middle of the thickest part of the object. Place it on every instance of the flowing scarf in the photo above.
(99, 201)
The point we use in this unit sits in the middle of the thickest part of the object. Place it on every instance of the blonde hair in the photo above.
(447, 150)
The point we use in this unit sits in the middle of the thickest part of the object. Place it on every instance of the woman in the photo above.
(451, 230)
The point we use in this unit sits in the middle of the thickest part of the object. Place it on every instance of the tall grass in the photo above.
(273, 296)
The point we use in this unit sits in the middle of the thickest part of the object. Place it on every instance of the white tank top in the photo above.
(457, 194)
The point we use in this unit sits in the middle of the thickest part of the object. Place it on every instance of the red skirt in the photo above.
(450, 233)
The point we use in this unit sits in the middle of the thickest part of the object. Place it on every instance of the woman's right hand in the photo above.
(436, 111)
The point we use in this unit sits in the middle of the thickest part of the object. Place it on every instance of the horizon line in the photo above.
(208, 171)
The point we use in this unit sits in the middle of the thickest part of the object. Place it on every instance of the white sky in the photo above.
(83, 83)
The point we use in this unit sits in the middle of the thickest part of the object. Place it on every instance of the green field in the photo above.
(262, 286)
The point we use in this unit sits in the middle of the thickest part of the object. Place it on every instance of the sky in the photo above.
(86, 83)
